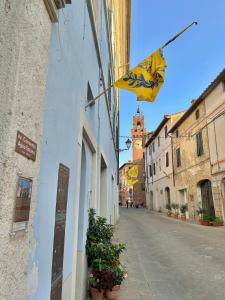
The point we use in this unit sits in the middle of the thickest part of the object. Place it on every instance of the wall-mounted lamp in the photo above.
(128, 144)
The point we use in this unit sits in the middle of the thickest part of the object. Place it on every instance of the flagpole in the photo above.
(167, 43)
(178, 34)
(102, 93)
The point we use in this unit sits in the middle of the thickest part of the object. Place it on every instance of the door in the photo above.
(207, 198)
(59, 233)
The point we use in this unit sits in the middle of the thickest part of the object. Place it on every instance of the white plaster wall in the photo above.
(163, 177)
(72, 64)
(24, 40)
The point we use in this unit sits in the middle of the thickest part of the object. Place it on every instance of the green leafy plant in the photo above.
(119, 274)
(175, 207)
(102, 280)
(183, 208)
(217, 220)
(103, 255)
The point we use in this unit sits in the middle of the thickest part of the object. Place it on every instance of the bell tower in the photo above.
(138, 132)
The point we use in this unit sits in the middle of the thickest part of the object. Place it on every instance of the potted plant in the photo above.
(168, 207)
(175, 207)
(217, 222)
(119, 272)
(204, 219)
(100, 281)
(103, 258)
(183, 209)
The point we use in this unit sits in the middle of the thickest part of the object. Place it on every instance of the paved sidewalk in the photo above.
(169, 259)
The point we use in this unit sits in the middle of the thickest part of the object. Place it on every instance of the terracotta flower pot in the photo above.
(113, 294)
(217, 224)
(204, 222)
(95, 294)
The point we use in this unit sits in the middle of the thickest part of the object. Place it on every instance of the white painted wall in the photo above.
(73, 63)
(164, 175)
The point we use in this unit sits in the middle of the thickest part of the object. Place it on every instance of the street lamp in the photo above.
(128, 144)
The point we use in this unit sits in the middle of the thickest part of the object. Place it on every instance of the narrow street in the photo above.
(169, 259)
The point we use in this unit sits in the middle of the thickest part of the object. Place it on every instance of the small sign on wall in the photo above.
(22, 205)
(25, 146)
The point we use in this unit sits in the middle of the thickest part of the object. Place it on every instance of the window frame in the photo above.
(178, 157)
(199, 144)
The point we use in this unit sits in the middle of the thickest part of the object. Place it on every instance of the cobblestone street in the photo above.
(169, 259)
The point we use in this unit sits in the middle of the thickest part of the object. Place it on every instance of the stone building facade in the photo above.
(192, 168)
(159, 181)
(54, 62)
(215, 114)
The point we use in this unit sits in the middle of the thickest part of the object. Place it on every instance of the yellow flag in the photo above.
(146, 78)
(132, 175)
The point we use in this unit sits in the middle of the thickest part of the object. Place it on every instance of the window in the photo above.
(166, 131)
(150, 150)
(89, 93)
(177, 133)
(178, 157)
(150, 171)
(199, 143)
(158, 141)
(167, 159)
(154, 172)
(159, 164)
(197, 114)
(153, 147)
(138, 125)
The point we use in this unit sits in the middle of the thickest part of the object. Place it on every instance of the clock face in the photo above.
(138, 144)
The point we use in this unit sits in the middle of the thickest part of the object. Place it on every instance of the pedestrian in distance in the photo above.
(127, 203)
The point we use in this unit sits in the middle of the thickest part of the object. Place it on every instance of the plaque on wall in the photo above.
(23, 199)
(25, 146)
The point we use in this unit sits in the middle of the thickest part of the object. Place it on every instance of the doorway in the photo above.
(59, 232)
(167, 193)
(207, 198)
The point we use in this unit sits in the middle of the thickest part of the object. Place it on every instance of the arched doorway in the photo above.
(207, 198)
(151, 200)
(167, 193)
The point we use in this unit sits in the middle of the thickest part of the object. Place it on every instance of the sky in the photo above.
(193, 60)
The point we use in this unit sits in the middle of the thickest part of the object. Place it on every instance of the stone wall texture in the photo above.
(25, 31)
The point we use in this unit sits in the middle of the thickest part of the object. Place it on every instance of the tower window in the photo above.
(197, 114)
(166, 131)
(138, 125)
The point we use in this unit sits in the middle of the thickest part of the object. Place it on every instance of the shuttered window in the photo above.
(199, 143)
(178, 157)
(150, 171)
(167, 159)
